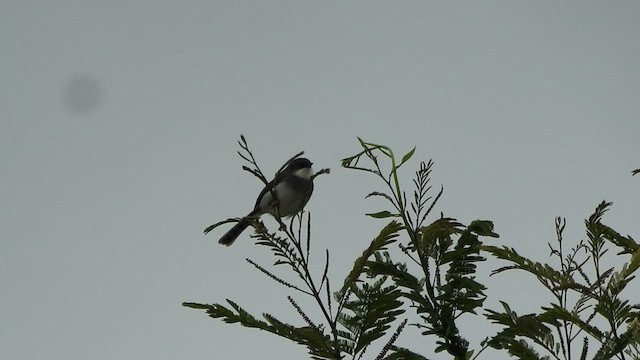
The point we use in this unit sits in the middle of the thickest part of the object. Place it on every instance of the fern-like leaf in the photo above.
(387, 236)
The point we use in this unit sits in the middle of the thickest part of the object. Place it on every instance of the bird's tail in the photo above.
(231, 235)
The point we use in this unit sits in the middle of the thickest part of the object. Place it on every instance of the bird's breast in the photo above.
(290, 200)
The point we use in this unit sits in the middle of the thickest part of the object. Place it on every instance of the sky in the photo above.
(118, 130)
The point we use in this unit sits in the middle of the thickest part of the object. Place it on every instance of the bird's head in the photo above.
(301, 167)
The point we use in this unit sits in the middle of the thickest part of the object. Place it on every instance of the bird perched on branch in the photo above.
(284, 196)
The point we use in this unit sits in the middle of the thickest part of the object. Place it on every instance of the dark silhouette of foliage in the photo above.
(422, 273)
(600, 311)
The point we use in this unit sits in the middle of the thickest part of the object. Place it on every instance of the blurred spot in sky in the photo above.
(82, 95)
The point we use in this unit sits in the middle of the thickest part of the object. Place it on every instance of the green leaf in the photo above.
(400, 353)
(437, 238)
(369, 311)
(482, 228)
(318, 344)
(230, 316)
(407, 156)
(531, 326)
(387, 236)
(628, 245)
(382, 215)
(559, 313)
(548, 276)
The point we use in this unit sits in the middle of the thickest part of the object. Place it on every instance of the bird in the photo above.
(284, 196)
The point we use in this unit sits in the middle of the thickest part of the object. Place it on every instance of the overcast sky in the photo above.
(118, 130)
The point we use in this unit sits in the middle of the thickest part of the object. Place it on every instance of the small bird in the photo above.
(292, 188)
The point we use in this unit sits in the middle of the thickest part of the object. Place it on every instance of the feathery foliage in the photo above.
(599, 312)
(437, 279)
(422, 272)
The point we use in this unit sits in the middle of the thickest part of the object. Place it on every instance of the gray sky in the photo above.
(118, 123)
